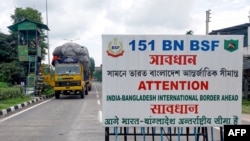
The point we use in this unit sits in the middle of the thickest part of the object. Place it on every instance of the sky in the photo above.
(85, 21)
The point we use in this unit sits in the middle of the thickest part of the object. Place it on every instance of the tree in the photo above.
(189, 32)
(92, 65)
(8, 51)
(11, 73)
(28, 13)
(98, 75)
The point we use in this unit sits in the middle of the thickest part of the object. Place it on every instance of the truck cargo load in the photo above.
(72, 66)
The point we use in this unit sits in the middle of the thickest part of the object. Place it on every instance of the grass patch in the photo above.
(3, 85)
(7, 103)
(245, 106)
(13, 101)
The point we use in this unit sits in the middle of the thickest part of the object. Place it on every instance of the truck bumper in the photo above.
(69, 88)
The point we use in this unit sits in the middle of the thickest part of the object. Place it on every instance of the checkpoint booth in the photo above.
(30, 35)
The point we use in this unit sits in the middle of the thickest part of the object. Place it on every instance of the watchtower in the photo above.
(29, 47)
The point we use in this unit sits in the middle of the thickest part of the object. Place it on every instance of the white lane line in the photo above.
(96, 91)
(11, 116)
(98, 102)
(100, 116)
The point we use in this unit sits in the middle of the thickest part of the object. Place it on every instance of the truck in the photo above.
(71, 70)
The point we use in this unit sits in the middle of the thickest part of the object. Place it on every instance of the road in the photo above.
(66, 119)
(72, 119)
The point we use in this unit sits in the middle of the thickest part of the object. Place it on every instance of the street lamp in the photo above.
(71, 40)
(47, 32)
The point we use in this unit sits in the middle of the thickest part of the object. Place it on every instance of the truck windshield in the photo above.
(67, 69)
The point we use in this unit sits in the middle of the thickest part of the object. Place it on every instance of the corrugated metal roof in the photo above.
(230, 29)
(14, 27)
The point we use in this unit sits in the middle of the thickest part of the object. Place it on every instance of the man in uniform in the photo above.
(39, 83)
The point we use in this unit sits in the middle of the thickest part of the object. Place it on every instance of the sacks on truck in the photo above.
(72, 50)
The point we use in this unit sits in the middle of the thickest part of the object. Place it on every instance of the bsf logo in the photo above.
(237, 132)
(115, 48)
(231, 45)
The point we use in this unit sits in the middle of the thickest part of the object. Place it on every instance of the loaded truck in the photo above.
(71, 70)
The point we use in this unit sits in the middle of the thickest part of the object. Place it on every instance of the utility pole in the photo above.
(249, 16)
(47, 32)
(207, 20)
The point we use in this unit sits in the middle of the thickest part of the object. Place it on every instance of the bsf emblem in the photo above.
(115, 48)
(231, 45)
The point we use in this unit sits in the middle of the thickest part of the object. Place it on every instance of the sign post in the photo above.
(172, 81)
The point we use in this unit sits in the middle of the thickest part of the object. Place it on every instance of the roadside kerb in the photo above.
(22, 105)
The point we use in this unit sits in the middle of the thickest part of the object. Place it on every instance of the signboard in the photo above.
(164, 80)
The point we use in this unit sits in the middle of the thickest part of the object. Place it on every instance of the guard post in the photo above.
(29, 51)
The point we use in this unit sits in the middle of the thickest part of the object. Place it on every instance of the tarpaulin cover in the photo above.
(73, 50)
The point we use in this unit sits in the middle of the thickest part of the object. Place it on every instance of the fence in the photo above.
(164, 134)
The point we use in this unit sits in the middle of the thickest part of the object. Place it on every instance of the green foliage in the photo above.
(8, 48)
(28, 13)
(246, 102)
(190, 32)
(10, 72)
(7, 93)
(47, 90)
(246, 106)
(3, 85)
(4, 104)
(92, 65)
(98, 75)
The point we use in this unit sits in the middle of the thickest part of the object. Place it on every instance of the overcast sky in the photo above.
(87, 20)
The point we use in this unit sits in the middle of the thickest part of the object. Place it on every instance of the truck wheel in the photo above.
(57, 95)
(82, 94)
(86, 91)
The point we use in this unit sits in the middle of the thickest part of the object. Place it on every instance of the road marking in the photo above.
(11, 116)
(98, 102)
(100, 116)
(95, 89)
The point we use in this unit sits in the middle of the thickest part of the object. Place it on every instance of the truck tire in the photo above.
(86, 91)
(82, 94)
(57, 95)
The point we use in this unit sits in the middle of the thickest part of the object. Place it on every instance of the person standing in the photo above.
(39, 83)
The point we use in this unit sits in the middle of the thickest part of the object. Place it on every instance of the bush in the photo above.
(7, 93)
(47, 90)
(3, 85)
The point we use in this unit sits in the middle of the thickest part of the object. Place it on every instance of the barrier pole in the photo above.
(106, 133)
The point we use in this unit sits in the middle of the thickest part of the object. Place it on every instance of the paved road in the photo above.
(67, 119)
(73, 119)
